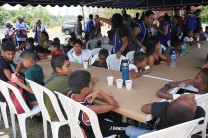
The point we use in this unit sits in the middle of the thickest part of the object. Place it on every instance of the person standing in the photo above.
(10, 32)
(78, 27)
(97, 25)
(22, 30)
(38, 28)
(89, 26)
(136, 19)
(198, 19)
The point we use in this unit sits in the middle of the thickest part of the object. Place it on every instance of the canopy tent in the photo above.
(133, 4)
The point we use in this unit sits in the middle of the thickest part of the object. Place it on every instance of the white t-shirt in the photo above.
(132, 66)
(175, 96)
(9, 30)
(187, 39)
(78, 59)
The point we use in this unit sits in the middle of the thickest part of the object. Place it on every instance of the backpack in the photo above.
(191, 21)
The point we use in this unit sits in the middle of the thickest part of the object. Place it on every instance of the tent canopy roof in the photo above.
(132, 4)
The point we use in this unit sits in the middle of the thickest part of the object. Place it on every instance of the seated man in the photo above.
(179, 111)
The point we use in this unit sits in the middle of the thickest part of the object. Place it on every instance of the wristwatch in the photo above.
(168, 86)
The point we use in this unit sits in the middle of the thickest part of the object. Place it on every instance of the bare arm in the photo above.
(8, 73)
(18, 82)
(167, 59)
(135, 75)
(164, 31)
(108, 21)
(147, 108)
(123, 47)
(151, 61)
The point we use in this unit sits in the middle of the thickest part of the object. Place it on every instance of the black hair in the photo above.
(30, 39)
(56, 39)
(175, 41)
(58, 61)
(104, 52)
(46, 34)
(198, 10)
(78, 41)
(56, 45)
(97, 16)
(185, 34)
(137, 14)
(206, 28)
(8, 46)
(29, 54)
(146, 14)
(178, 113)
(79, 79)
(188, 8)
(90, 16)
(150, 44)
(117, 21)
(176, 17)
(4, 40)
(199, 29)
(139, 56)
(205, 74)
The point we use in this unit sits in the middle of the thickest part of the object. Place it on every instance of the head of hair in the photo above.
(204, 71)
(187, 32)
(90, 16)
(176, 109)
(175, 41)
(78, 41)
(148, 13)
(29, 54)
(97, 16)
(196, 31)
(56, 39)
(31, 40)
(150, 44)
(56, 45)
(78, 80)
(188, 8)
(104, 52)
(206, 28)
(197, 11)
(117, 21)
(139, 56)
(199, 29)
(137, 14)
(4, 40)
(8, 46)
(58, 61)
(46, 34)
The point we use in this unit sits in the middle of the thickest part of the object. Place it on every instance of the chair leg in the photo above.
(55, 129)
(204, 133)
(21, 120)
(4, 114)
(13, 124)
(45, 127)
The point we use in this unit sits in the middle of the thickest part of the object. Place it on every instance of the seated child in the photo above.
(81, 90)
(6, 62)
(55, 49)
(78, 55)
(175, 46)
(34, 73)
(62, 68)
(204, 35)
(72, 39)
(152, 50)
(196, 36)
(179, 111)
(138, 68)
(30, 43)
(188, 38)
(103, 54)
(200, 82)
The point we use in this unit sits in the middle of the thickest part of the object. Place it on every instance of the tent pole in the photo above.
(83, 16)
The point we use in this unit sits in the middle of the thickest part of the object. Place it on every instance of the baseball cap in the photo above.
(80, 16)
(20, 17)
(159, 14)
(8, 23)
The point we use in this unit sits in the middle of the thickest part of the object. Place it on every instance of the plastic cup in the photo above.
(85, 65)
(199, 45)
(207, 39)
(128, 84)
(147, 67)
(119, 83)
(110, 80)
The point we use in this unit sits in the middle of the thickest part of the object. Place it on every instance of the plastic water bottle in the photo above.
(183, 49)
(125, 70)
(173, 58)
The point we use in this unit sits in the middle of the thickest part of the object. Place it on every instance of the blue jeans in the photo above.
(134, 132)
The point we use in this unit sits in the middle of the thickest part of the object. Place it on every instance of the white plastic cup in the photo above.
(85, 65)
(207, 39)
(147, 67)
(110, 80)
(128, 84)
(119, 83)
(199, 45)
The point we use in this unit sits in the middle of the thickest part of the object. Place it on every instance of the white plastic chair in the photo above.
(113, 63)
(108, 47)
(95, 51)
(91, 44)
(4, 114)
(130, 56)
(183, 130)
(5, 88)
(89, 53)
(39, 93)
(203, 102)
(72, 109)
(16, 58)
(95, 58)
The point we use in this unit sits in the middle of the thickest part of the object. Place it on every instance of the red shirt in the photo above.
(59, 52)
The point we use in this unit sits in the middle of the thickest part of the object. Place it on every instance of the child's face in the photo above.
(77, 48)
(89, 89)
(53, 49)
(196, 35)
(8, 55)
(26, 62)
(102, 59)
(190, 34)
(65, 69)
(142, 64)
(206, 31)
(158, 47)
(199, 81)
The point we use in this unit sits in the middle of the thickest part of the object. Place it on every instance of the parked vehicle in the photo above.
(68, 27)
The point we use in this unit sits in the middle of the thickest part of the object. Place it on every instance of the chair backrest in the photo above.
(16, 58)
(70, 51)
(91, 44)
(95, 58)
(104, 40)
(113, 63)
(130, 56)
(72, 109)
(95, 51)
(178, 131)
(39, 91)
(108, 47)
(5, 90)
(89, 53)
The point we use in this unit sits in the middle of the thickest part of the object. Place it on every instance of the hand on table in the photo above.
(174, 84)
(146, 71)
(94, 80)
(187, 82)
